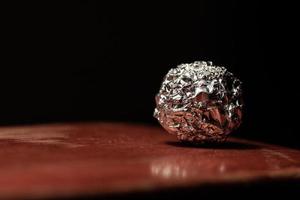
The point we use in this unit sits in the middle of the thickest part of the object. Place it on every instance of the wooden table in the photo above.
(127, 160)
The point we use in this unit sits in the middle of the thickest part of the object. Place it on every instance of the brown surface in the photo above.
(104, 158)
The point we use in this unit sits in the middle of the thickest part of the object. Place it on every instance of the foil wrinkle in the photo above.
(199, 102)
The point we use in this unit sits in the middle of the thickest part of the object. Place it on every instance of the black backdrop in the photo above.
(88, 60)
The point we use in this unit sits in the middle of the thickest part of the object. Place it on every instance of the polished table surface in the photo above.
(102, 159)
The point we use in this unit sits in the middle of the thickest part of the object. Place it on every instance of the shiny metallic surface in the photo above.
(199, 102)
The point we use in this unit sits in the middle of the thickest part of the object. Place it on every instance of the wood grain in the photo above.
(68, 160)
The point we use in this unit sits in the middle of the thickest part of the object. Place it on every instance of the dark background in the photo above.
(88, 60)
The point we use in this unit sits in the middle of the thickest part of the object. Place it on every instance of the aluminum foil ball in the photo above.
(199, 102)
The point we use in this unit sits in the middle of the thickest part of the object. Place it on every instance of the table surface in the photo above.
(78, 159)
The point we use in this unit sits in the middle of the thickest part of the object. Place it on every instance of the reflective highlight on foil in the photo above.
(199, 102)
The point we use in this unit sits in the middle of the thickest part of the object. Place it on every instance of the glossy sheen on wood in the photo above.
(66, 160)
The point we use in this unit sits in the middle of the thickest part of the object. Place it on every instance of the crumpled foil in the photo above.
(199, 102)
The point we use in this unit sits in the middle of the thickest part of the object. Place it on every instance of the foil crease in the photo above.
(199, 102)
